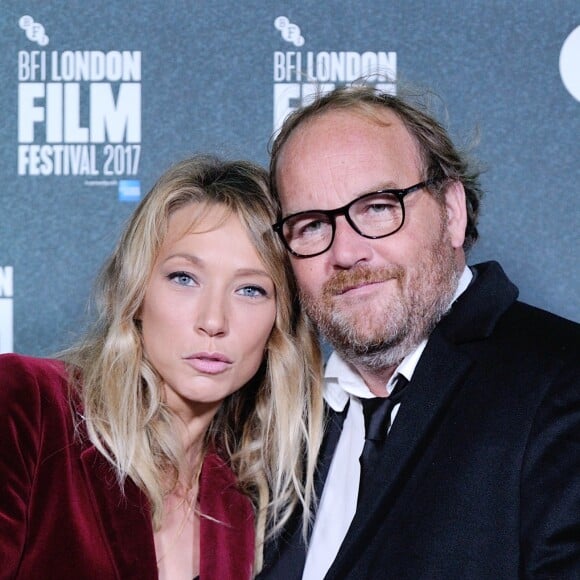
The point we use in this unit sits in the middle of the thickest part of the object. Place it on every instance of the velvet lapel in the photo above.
(126, 527)
(227, 524)
(440, 372)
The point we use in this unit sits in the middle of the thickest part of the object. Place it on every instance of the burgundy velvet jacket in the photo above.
(62, 514)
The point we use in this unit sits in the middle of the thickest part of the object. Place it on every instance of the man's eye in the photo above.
(311, 227)
(380, 207)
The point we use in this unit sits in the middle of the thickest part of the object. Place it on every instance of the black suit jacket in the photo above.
(480, 477)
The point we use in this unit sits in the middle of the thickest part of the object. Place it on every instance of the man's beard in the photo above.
(380, 333)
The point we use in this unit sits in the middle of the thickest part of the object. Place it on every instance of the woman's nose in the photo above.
(212, 317)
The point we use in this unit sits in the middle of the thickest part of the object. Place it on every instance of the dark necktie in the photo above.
(377, 416)
(334, 423)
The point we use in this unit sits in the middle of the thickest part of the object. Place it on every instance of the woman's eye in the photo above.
(252, 291)
(182, 278)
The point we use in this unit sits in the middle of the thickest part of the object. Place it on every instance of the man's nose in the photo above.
(349, 248)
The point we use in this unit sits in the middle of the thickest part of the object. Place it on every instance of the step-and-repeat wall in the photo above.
(99, 98)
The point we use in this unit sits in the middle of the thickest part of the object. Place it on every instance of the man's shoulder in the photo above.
(550, 323)
(490, 317)
(538, 330)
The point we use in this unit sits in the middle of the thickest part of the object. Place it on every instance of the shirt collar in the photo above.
(342, 380)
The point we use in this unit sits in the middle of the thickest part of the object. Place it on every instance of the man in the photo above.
(475, 471)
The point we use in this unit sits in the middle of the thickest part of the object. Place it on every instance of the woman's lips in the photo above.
(209, 363)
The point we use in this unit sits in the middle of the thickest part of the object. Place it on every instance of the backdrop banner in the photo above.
(98, 99)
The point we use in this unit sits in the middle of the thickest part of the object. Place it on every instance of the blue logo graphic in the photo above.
(129, 190)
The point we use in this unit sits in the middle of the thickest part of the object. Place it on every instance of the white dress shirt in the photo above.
(338, 503)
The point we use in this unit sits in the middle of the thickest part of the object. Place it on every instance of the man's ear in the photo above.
(456, 209)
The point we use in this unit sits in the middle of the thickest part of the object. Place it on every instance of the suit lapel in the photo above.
(438, 375)
(125, 519)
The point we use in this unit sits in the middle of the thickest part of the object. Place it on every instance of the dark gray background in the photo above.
(207, 86)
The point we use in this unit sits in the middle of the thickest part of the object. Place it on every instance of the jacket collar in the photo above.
(476, 312)
(127, 531)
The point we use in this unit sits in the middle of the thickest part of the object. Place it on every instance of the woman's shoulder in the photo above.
(28, 378)
(29, 363)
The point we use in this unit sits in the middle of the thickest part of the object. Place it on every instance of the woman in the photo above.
(171, 441)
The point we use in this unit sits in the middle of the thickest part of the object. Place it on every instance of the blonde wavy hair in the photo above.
(270, 430)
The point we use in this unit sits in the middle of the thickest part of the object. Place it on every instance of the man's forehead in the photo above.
(340, 133)
(353, 116)
(347, 152)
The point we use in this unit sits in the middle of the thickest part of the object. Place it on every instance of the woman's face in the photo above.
(208, 311)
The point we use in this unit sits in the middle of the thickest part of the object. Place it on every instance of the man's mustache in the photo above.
(345, 280)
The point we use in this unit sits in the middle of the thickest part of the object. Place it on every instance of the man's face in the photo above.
(374, 300)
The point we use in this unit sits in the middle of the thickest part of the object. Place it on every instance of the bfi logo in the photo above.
(6, 309)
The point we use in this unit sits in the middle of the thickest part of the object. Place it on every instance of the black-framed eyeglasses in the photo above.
(373, 215)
